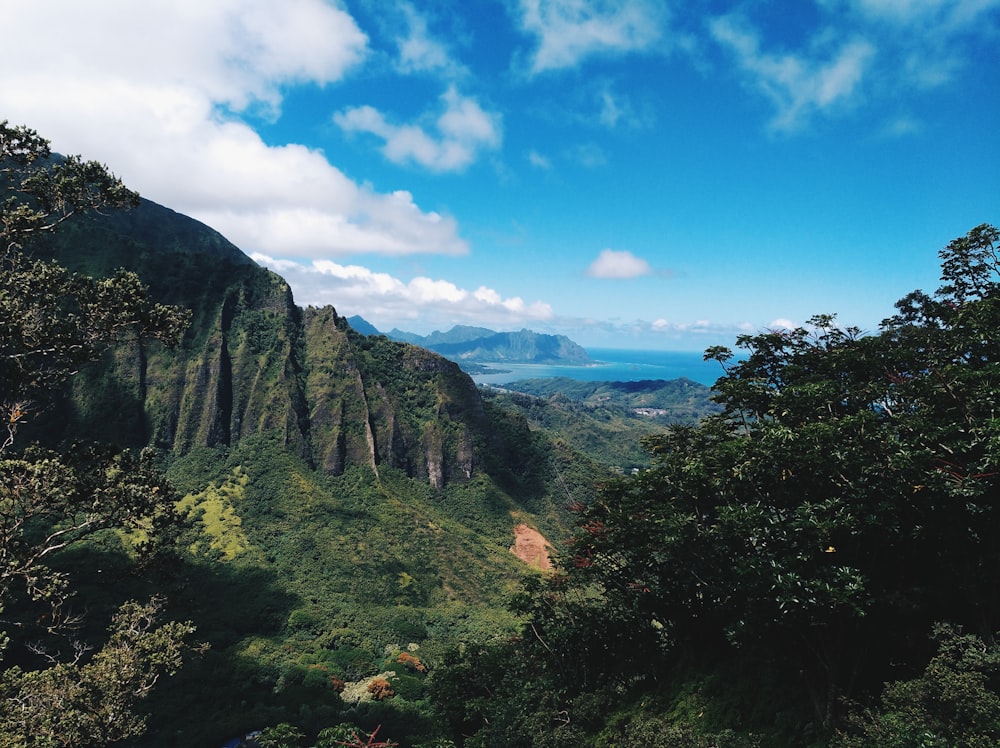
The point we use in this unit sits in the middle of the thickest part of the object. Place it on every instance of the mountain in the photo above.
(481, 345)
(361, 325)
(254, 362)
(346, 497)
(467, 345)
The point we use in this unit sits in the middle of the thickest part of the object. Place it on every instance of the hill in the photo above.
(662, 401)
(346, 497)
(607, 421)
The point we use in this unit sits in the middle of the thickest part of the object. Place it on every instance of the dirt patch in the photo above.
(531, 547)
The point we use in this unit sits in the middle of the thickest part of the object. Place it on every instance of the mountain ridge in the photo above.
(466, 343)
(253, 361)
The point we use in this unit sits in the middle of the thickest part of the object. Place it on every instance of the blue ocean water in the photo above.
(614, 365)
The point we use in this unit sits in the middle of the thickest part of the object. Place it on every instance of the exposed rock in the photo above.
(531, 547)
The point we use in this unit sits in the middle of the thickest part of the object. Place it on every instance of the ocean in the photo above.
(614, 365)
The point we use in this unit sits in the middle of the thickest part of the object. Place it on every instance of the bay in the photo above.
(612, 365)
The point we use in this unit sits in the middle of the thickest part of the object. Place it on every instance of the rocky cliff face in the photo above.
(253, 361)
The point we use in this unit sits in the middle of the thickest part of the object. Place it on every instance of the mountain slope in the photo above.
(254, 362)
(346, 496)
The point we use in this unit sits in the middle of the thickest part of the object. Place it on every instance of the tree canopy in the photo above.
(55, 688)
(843, 501)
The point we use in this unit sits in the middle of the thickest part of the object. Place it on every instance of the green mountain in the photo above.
(254, 362)
(348, 498)
(660, 401)
(482, 345)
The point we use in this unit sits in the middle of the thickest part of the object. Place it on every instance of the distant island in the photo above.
(469, 346)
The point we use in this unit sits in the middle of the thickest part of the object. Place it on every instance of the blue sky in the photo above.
(630, 173)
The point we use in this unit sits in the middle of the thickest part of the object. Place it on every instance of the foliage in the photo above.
(51, 323)
(955, 702)
(380, 689)
(841, 502)
(215, 508)
(91, 701)
(282, 735)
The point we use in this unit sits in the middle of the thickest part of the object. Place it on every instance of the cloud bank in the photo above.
(382, 298)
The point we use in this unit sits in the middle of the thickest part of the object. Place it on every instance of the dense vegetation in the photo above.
(319, 549)
(344, 505)
(62, 682)
(834, 529)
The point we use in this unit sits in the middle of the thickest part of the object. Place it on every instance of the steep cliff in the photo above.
(253, 362)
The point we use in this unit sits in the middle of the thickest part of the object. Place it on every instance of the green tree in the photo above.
(91, 702)
(52, 322)
(843, 501)
(954, 702)
(282, 735)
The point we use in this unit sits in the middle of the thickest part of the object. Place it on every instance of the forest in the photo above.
(221, 514)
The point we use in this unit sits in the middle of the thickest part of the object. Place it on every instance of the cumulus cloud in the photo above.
(463, 129)
(571, 30)
(618, 265)
(802, 84)
(159, 90)
(383, 299)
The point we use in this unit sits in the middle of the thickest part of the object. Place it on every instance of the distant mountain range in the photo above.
(464, 343)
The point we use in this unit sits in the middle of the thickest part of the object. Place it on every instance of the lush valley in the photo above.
(608, 421)
(311, 532)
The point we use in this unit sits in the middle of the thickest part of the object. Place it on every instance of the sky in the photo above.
(657, 174)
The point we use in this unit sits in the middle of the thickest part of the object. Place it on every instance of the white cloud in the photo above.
(698, 333)
(464, 128)
(921, 34)
(903, 125)
(571, 30)
(418, 51)
(384, 300)
(588, 155)
(618, 265)
(611, 109)
(155, 90)
(798, 84)
(862, 49)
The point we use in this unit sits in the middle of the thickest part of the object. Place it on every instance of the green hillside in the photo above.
(344, 498)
